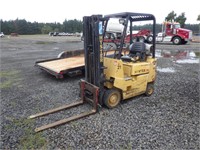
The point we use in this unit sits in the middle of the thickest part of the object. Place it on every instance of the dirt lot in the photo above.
(169, 119)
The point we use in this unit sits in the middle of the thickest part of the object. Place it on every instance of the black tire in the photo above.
(184, 42)
(141, 39)
(150, 39)
(111, 98)
(176, 40)
(150, 89)
(134, 39)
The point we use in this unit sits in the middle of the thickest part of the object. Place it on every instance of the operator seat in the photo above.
(137, 50)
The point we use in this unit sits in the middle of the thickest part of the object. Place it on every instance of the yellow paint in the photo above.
(101, 48)
(130, 77)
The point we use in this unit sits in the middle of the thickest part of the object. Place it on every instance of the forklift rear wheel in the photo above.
(112, 98)
(150, 89)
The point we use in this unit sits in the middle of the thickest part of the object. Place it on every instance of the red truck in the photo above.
(115, 37)
(171, 32)
(140, 35)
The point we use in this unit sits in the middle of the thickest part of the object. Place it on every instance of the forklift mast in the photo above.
(93, 49)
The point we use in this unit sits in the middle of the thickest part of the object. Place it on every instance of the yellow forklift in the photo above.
(111, 78)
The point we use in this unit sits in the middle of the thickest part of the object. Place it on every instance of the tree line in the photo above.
(21, 26)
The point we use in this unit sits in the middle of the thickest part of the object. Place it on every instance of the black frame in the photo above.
(132, 17)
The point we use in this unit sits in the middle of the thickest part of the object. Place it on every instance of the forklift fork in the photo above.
(91, 86)
(92, 100)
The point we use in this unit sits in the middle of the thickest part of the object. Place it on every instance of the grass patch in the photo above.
(45, 42)
(29, 139)
(9, 78)
(32, 141)
(197, 54)
(128, 147)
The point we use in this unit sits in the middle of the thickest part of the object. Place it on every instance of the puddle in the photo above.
(166, 70)
(56, 48)
(179, 56)
(188, 61)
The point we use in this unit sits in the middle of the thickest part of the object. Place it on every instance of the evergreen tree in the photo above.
(181, 19)
(171, 16)
(46, 29)
(198, 18)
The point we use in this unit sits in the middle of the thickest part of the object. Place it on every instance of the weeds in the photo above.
(9, 78)
(128, 147)
(29, 139)
(197, 54)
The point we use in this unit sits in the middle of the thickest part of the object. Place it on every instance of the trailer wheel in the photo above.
(176, 40)
(111, 98)
(150, 39)
(150, 89)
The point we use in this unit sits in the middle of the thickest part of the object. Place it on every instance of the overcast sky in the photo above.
(59, 10)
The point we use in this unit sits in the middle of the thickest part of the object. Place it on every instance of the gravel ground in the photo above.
(169, 119)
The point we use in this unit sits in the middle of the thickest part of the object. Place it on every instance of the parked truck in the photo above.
(1, 34)
(171, 32)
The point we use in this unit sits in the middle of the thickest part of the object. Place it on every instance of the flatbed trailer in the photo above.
(60, 67)
(69, 63)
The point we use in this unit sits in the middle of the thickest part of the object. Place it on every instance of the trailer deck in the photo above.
(59, 67)
(71, 63)
(63, 64)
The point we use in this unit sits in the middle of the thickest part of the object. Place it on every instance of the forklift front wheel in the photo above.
(112, 98)
(150, 89)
